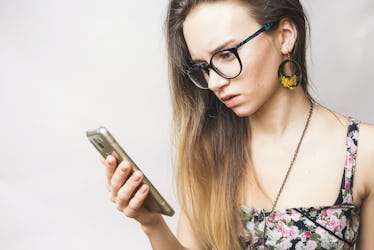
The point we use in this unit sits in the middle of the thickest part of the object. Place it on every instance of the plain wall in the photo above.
(68, 66)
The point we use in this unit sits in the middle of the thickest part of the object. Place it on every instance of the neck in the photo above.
(285, 113)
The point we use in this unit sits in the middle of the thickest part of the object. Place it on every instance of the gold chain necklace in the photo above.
(289, 168)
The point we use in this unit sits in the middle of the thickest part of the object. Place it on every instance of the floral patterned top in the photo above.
(324, 227)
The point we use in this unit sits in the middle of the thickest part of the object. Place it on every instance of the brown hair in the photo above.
(211, 141)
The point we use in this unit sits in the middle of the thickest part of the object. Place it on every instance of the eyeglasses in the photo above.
(226, 63)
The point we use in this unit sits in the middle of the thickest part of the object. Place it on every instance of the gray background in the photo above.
(67, 66)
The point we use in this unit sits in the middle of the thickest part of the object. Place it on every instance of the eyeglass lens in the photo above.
(225, 63)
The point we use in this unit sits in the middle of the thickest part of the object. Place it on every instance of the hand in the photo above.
(127, 191)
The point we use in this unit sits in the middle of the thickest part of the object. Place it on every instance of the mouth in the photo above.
(227, 97)
(229, 100)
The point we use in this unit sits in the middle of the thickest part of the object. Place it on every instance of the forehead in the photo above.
(210, 25)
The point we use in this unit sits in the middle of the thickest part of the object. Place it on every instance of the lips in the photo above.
(229, 100)
(227, 97)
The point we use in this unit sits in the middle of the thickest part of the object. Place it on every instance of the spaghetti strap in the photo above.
(350, 160)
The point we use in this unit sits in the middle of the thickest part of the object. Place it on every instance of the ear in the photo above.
(287, 34)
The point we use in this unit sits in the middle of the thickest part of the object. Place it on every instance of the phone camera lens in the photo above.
(98, 143)
(101, 145)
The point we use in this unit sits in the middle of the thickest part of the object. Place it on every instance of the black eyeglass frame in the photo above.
(234, 50)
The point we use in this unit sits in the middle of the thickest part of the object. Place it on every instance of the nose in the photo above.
(216, 81)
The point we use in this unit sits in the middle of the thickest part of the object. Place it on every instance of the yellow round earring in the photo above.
(289, 73)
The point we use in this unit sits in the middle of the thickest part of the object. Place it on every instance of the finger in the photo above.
(136, 203)
(119, 177)
(128, 189)
(108, 161)
(110, 167)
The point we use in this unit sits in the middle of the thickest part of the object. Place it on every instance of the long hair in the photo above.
(211, 141)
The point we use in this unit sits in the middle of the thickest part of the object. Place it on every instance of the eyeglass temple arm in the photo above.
(266, 27)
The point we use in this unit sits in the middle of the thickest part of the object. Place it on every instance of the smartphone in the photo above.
(105, 143)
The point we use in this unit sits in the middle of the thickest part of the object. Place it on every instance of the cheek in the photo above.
(260, 64)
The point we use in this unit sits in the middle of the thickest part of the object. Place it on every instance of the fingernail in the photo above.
(143, 189)
(124, 168)
(110, 159)
(137, 176)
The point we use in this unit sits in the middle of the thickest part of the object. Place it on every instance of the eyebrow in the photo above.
(211, 52)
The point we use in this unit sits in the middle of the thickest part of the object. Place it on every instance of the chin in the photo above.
(243, 111)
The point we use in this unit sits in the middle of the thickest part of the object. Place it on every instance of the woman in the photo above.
(260, 164)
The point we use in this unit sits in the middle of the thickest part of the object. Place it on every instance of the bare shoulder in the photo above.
(367, 130)
(365, 175)
(367, 137)
(365, 156)
(330, 120)
(336, 124)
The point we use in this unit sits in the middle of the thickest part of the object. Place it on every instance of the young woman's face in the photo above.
(210, 27)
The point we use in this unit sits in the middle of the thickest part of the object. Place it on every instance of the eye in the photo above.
(201, 68)
(207, 71)
(224, 56)
(201, 65)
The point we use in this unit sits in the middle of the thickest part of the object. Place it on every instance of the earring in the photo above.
(289, 73)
